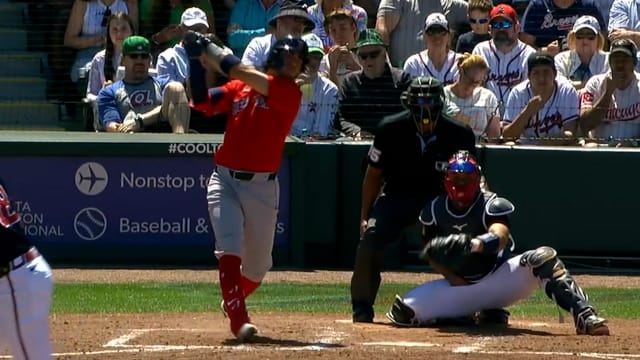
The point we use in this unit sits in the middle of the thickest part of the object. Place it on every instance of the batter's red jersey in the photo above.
(257, 126)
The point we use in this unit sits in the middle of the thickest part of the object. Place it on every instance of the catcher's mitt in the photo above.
(449, 251)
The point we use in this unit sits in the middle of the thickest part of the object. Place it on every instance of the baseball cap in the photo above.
(540, 59)
(136, 45)
(587, 22)
(503, 11)
(436, 19)
(194, 16)
(296, 8)
(624, 46)
(313, 43)
(369, 37)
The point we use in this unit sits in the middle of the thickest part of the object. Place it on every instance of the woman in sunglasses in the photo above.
(585, 56)
(437, 60)
(469, 102)
(479, 21)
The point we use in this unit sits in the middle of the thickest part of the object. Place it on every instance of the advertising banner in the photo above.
(120, 200)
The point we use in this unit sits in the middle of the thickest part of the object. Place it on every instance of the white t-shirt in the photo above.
(560, 109)
(476, 110)
(257, 51)
(317, 109)
(623, 117)
(506, 70)
(567, 62)
(420, 65)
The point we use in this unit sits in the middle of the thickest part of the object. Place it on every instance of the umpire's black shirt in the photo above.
(412, 164)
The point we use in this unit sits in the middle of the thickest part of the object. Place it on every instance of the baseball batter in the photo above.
(26, 286)
(506, 55)
(469, 243)
(610, 104)
(243, 191)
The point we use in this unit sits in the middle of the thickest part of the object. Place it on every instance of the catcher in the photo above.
(468, 242)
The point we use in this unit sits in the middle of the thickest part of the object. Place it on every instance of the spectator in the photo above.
(105, 63)
(546, 23)
(368, 95)
(161, 20)
(506, 55)
(437, 60)
(322, 7)
(610, 105)
(469, 102)
(249, 19)
(174, 61)
(624, 20)
(541, 107)
(400, 24)
(371, 7)
(87, 29)
(340, 59)
(605, 9)
(585, 57)
(479, 22)
(292, 19)
(140, 102)
(319, 96)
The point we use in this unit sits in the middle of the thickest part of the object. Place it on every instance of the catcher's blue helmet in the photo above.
(462, 180)
(275, 60)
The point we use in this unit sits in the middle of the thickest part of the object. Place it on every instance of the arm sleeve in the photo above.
(164, 67)
(389, 7)
(591, 93)
(95, 80)
(570, 105)
(619, 16)
(530, 18)
(107, 106)
(513, 107)
(250, 56)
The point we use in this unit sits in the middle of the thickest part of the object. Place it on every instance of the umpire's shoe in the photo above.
(589, 323)
(362, 313)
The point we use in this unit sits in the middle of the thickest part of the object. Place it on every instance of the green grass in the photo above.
(281, 297)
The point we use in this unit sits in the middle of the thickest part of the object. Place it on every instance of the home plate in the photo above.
(400, 343)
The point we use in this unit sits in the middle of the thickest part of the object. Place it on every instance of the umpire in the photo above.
(407, 160)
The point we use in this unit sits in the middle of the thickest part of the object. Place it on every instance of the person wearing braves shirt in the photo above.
(405, 170)
(546, 23)
(506, 55)
(544, 107)
(26, 286)
(243, 191)
(437, 59)
(610, 103)
(292, 20)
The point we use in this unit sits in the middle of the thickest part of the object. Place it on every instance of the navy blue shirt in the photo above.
(544, 20)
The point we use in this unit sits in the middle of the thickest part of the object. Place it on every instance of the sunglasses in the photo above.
(139, 56)
(585, 36)
(436, 31)
(105, 17)
(371, 54)
(501, 25)
(478, 21)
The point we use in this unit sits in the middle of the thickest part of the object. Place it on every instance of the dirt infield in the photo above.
(324, 336)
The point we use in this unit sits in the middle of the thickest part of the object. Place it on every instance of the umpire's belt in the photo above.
(248, 176)
(29, 256)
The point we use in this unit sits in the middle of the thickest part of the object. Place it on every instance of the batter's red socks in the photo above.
(232, 293)
(248, 286)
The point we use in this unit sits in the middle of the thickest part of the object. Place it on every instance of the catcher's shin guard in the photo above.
(560, 286)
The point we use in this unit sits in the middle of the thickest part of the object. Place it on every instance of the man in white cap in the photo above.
(319, 96)
(174, 61)
(437, 60)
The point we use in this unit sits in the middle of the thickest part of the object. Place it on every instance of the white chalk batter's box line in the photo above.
(327, 339)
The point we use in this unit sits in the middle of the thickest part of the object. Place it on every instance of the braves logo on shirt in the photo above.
(564, 23)
(508, 79)
(546, 124)
(625, 114)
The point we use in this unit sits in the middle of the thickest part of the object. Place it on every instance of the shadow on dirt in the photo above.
(285, 343)
(492, 331)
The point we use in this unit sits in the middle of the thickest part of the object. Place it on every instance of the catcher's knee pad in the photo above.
(401, 314)
(544, 263)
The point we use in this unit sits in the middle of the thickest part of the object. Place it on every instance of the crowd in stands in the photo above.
(533, 72)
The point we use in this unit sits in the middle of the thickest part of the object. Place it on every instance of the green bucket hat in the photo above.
(136, 45)
(369, 37)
